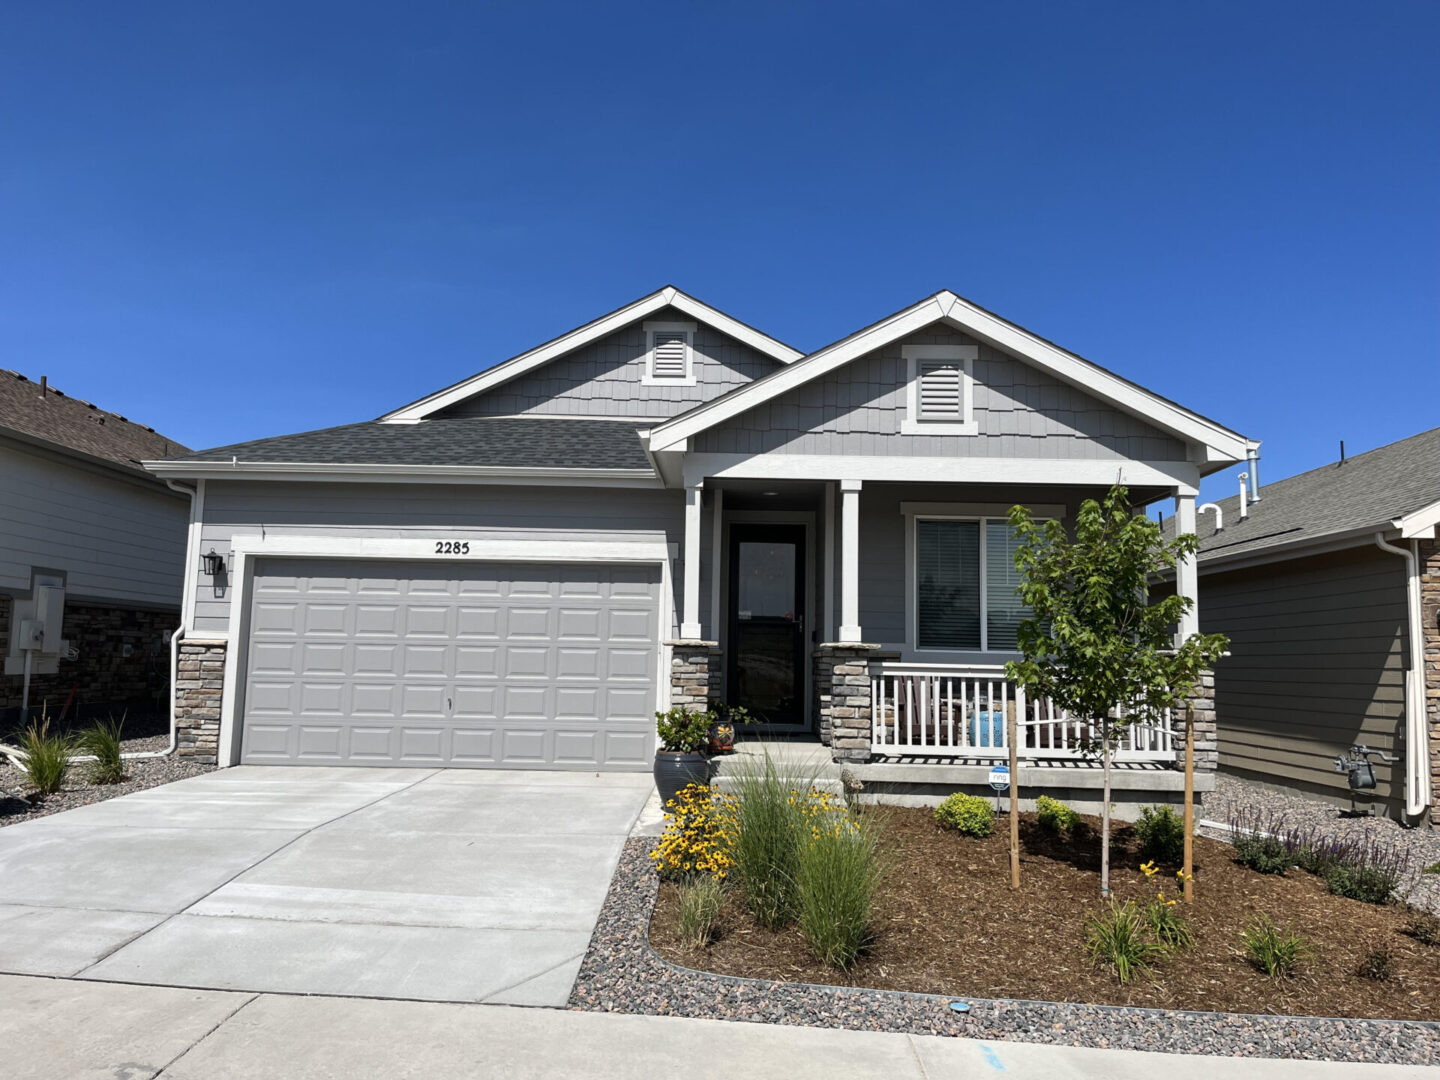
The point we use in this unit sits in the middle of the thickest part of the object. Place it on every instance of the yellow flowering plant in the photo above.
(1165, 922)
(699, 835)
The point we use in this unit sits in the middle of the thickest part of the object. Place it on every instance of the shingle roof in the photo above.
(515, 442)
(70, 422)
(1368, 491)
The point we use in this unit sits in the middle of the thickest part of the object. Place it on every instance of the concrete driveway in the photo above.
(440, 885)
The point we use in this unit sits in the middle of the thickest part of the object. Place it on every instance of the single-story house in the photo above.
(663, 506)
(1329, 589)
(92, 553)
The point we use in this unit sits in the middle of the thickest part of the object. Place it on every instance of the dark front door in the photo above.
(767, 622)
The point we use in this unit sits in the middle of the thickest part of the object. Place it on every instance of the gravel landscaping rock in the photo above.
(16, 805)
(1234, 797)
(623, 973)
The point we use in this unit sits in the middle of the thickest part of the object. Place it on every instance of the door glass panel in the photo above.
(767, 672)
(766, 580)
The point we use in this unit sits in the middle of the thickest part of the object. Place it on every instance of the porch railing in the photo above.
(946, 711)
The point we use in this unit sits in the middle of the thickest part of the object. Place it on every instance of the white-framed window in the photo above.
(963, 585)
(669, 354)
(939, 389)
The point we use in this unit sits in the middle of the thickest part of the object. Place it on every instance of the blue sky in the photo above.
(232, 221)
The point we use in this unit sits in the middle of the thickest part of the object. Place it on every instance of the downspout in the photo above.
(1417, 749)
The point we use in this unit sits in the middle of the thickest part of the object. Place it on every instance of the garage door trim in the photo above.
(247, 548)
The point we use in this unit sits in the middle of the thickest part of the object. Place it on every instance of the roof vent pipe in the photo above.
(1252, 458)
(1219, 514)
(44, 379)
(1244, 504)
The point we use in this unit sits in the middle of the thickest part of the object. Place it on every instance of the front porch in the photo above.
(825, 609)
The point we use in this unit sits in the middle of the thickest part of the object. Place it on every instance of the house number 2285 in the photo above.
(452, 547)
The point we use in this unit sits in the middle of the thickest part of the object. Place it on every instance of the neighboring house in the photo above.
(94, 542)
(1323, 617)
(663, 505)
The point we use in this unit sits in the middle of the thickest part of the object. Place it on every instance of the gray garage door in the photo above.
(485, 665)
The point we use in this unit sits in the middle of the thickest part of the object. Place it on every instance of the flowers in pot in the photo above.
(684, 736)
(722, 727)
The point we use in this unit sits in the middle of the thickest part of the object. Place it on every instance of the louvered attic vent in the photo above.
(941, 392)
(669, 359)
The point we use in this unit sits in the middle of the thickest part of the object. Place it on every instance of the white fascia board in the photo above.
(423, 548)
(606, 324)
(1419, 524)
(1220, 443)
(1302, 548)
(1179, 476)
(433, 474)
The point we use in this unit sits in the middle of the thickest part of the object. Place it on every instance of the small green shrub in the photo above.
(1167, 924)
(1055, 816)
(1275, 951)
(683, 731)
(969, 815)
(1314, 860)
(1117, 938)
(46, 760)
(1368, 884)
(1162, 835)
(1424, 928)
(1378, 963)
(835, 893)
(1263, 854)
(102, 742)
(699, 910)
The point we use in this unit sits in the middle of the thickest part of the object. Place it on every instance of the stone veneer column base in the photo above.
(1207, 745)
(199, 685)
(842, 689)
(696, 674)
(1430, 662)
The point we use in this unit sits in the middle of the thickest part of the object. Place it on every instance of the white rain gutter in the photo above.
(1417, 743)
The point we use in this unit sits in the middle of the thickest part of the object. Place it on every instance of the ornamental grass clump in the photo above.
(840, 870)
(698, 914)
(699, 835)
(46, 757)
(770, 827)
(969, 815)
(1276, 951)
(1118, 938)
(1055, 816)
(102, 742)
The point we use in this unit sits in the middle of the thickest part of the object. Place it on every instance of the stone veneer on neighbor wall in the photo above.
(696, 674)
(1430, 621)
(842, 688)
(198, 691)
(102, 674)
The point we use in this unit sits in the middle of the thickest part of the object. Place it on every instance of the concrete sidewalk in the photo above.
(57, 1029)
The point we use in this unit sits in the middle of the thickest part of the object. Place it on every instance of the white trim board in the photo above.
(593, 331)
(1219, 444)
(1421, 524)
(1181, 476)
(426, 474)
(246, 548)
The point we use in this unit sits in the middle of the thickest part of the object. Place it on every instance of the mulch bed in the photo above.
(948, 923)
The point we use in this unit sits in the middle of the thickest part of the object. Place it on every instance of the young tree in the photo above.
(1095, 644)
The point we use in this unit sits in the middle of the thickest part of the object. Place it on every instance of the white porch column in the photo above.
(717, 557)
(1187, 578)
(690, 619)
(850, 561)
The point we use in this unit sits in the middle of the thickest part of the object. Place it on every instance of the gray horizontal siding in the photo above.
(469, 512)
(1317, 663)
(114, 538)
(605, 378)
(1020, 410)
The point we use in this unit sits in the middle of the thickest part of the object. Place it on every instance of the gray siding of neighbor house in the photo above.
(1021, 411)
(1317, 663)
(605, 378)
(115, 539)
(431, 511)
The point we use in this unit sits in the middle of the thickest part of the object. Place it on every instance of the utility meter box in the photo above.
(39, 622)
(50, 614)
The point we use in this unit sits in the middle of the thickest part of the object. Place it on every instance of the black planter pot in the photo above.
(674, 770)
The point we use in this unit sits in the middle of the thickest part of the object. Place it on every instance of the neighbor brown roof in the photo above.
(67, 421)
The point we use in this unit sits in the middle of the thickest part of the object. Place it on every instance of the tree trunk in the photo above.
(1105, 819)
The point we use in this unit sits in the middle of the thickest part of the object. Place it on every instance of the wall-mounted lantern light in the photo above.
(214, 564)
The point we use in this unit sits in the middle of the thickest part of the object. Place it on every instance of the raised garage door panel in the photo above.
(487, 665)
